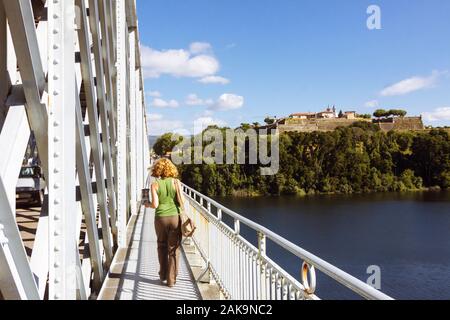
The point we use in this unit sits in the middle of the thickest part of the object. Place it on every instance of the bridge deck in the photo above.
(134, 272)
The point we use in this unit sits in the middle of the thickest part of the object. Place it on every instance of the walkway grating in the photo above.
(134, 272)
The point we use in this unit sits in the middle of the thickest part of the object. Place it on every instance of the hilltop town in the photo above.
(330, 119)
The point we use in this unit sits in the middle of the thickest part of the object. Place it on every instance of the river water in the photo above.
(406, 235)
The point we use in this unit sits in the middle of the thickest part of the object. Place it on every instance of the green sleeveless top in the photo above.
(168, 202)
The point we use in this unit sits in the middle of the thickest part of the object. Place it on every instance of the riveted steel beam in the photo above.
(62, 153)
(122, 112)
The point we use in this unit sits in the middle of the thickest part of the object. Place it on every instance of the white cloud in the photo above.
(228, 101)
(194, 100)
(371, 104)
(200, 47)
(154, 94)
(439, 114)
(214, 80)
(154, 117)
(178, 63)
(412, 84)
(160, 103)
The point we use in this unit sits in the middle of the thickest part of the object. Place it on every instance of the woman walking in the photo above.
(168, 201)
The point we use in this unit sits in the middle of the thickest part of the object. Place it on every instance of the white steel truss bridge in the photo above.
(72, 106)
(72, 101)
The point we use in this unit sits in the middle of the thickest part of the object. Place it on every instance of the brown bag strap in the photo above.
(179, 194)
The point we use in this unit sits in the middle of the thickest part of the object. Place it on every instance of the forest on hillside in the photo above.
(356, 159)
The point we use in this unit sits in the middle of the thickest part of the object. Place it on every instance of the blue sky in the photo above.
(230, 61)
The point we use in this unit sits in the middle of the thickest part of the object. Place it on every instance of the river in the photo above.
(406, 235)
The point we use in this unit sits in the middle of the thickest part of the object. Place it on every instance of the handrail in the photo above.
(345, 279)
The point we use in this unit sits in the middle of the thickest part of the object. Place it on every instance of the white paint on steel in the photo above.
(122, 108)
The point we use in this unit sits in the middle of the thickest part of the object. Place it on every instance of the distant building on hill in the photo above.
(329, 113)
(328, 120)
(304, 115)
(350, 115)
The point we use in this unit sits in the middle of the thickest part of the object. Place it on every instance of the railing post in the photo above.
(219, 214)
(237, 227)
(262, 269)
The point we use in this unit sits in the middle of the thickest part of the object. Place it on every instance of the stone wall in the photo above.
(324, 125)
(311, 125)
(402, 124)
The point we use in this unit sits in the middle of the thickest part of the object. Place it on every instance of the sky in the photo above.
(228, 62)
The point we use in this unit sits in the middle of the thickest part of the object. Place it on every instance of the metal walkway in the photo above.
(134, 272)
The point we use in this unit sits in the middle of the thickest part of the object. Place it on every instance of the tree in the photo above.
(341, 114)
(397, 113)
(256, 125)
(380, 113)
(269, 121)
(356, 159)
(165, 144)
(245, 126)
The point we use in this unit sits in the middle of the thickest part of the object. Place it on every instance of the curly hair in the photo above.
(164, 168)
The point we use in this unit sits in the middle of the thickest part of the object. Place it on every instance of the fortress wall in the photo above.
(311, 125)
(409, 123)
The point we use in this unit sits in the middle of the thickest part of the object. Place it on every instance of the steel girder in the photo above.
(79, 89)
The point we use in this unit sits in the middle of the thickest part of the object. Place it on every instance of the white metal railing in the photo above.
(245, 272)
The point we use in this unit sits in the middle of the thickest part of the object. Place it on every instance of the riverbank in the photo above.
(249, 193)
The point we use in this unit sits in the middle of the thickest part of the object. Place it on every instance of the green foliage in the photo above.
(397, 113)
(165, 144)
(269, 121)
(355, 159)
(380, 113)
(245, 126)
